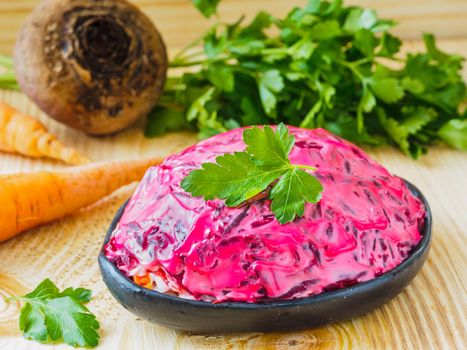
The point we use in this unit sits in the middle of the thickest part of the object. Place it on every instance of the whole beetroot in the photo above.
(97, 66)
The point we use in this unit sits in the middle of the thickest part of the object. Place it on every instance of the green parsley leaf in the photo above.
(69, 320)
(270, 82)
(390, 45)
(415, 118)
(403, 130)
(454, 133)
(395, 130)
(368, 101)
(412, 85)
(255, 29)
(240, 176)
(222, 77)
(234, 177)
(32, 323)
(206, 7)
(365, 41)
(45, 290)
(303, 48)
(325, 30)
(359, 18)
(79, 294)
(198, 107)
(268, 148)
(387, 89)
(162, 119)
(433, 50)
(291, 192)
(49, 315)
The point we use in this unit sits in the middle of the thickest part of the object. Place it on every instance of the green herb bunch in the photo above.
(323, 65)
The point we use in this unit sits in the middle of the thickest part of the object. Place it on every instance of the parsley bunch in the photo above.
(264, 164)
(49, 315)
(323, 65)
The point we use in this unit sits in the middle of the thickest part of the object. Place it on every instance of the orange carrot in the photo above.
(20, 133)
(143, 281)
(31, 199)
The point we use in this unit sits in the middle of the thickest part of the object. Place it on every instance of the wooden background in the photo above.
(429, 314)
(180, 23)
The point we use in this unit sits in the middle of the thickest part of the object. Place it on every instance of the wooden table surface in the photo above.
(429, 314)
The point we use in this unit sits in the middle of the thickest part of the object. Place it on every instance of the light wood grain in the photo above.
(429, 314)
(180, 23)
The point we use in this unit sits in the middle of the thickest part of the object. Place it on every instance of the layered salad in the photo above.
(365, 224)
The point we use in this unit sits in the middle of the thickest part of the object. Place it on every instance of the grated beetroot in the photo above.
(366, 224)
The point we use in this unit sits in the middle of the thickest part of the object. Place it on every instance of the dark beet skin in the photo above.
(96, 66)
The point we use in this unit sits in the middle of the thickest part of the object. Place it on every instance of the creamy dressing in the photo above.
(366, 223)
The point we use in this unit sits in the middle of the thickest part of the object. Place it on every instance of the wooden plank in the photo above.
(179, 22)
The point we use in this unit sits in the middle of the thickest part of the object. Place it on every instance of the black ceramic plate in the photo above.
(204, 317)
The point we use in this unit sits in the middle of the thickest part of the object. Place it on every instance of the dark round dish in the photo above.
(204, 317)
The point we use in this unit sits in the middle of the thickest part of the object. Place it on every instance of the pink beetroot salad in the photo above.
(366, 223)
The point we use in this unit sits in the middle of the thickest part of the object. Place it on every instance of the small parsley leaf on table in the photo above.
(49, 315)
(241, 176)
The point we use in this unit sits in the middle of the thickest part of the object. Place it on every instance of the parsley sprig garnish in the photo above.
(49, 316)
(321, 65)
(241, 176)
